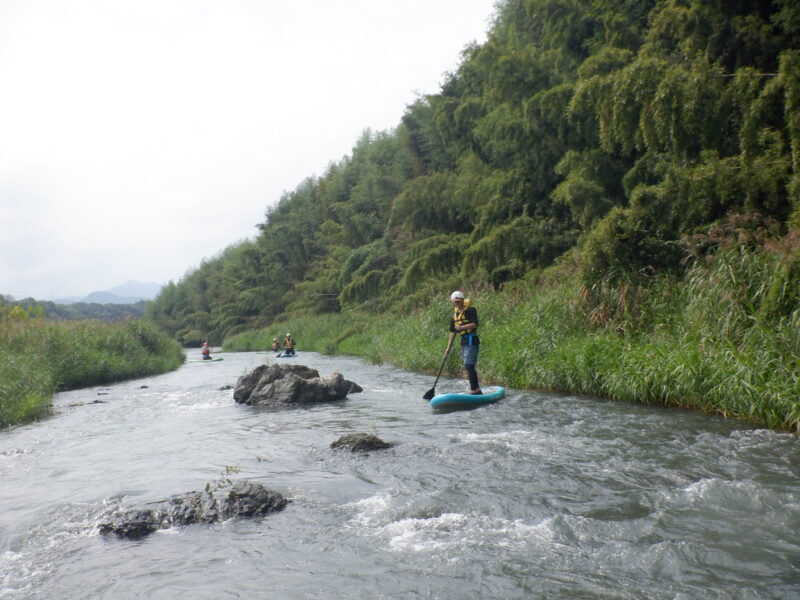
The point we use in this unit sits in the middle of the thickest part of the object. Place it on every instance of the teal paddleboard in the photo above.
(452, 401)
(201, 360)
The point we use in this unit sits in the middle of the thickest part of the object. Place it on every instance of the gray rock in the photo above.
(133, 524)
(280, 384)
(247, 499)
(243, 499)
(264, 375)
(354, 388)
(360, 442)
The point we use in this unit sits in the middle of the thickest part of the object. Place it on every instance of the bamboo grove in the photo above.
(641, 138)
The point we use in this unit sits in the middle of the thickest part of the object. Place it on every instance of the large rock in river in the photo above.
(243, 499)
(360, 442)
(279, 384)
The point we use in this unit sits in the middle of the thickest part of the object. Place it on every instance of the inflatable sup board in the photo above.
(490, 394)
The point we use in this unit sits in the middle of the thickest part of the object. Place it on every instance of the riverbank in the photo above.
(39, 358)
(694, 343)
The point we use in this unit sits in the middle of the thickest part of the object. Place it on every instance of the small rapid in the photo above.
(536, 496)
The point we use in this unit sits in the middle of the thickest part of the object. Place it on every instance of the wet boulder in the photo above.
(242, 499)
(133, 524)
(280, 384)
(249, 499)
(359, 442)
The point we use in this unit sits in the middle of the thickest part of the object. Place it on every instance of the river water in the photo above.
(537, 496)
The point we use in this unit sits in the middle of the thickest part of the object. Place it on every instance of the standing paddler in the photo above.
(464, 323)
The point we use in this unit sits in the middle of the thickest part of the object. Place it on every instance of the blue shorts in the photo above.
(469, 355)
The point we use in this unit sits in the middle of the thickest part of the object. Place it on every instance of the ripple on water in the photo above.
(410, 527)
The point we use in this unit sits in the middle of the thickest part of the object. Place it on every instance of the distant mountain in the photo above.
(137, 289)
(66, 299)
(129, 292)
(109, 298)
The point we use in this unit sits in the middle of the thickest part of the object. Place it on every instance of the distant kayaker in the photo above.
(206, 352)
(465, 324)
(276, 345)
(288, 345)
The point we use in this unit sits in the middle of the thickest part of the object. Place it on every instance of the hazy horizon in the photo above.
(141, 137)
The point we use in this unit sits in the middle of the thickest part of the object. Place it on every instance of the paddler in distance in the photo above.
(206, 352)
(464, 323)
(288, 345)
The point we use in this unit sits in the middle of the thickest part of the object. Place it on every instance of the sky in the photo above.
(139, 137)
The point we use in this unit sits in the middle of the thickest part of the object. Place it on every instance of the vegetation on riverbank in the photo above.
(625, 176)
(39, 358)
(724, 339)
(79, 311)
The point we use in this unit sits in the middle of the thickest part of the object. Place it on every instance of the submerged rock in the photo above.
(243, 499)
(279, 384)
(133, 524)
(360, 442)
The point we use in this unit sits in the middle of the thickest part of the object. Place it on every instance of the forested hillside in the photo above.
(638, 137)
(53, 311)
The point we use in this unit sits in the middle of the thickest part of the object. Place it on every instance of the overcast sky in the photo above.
(138, 137)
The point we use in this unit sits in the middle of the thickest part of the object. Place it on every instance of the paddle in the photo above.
(432, 392)
(278, 355)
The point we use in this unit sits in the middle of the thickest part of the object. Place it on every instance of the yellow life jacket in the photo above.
(288, 343)
(460, 319)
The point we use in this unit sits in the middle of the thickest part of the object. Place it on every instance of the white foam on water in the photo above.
(512, 439)
(169, 531)
(735, 495)
(12, 453)
(425, 535)
(18, 575)
(455, 531)
(527, 442)
(379, 516)
(60, 529)
(371, 511)
(63, 524)
(210, 405)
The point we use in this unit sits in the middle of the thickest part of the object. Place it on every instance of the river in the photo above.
(537, 496)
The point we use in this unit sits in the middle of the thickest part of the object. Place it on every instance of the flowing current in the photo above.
(537, 496)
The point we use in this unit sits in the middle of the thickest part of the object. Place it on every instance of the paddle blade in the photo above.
(429, 394)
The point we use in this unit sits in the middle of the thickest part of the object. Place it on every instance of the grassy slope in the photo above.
(684, 352)
(38, 358)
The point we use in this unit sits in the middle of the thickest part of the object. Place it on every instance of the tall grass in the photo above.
(721, 339)
(39, 358)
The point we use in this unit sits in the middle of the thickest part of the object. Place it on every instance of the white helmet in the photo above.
(288, 334)
(456, 296)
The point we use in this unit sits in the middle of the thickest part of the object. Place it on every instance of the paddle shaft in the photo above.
(431, 392)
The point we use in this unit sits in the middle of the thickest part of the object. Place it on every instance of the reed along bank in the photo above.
(39, 358)
(724, 338)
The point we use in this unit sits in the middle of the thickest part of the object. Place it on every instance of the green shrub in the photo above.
(38, 358)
